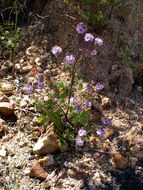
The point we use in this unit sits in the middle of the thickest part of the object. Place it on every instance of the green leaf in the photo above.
(80, 86)
(40, 119)
(43, 118)
(60, 85)
(50, 102)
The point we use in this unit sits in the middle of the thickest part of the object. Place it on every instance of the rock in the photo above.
(3, 151)
(1, 94)
(71, 172)
(2, 122)
(22, 68)
(108, 132)
(23, 103)
(7, 109)
(7, 88)
(119, 161)
(47, 143)
(38, 61)
(5, 68)
(4, 98)
(46, 161)
(106, 102)
(38, 172)
(97, 106)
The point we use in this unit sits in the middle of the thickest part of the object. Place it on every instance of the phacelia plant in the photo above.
(64, 108)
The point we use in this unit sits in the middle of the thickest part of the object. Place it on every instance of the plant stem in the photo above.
(71, 125)
(72, 82)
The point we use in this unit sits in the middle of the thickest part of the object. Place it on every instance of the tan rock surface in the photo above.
(119, 161)
(7, 109)
(47, 143)
(38, 172)
(46, 161)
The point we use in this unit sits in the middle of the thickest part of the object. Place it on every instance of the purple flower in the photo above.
(106, 121)
(94, 52)
(99, 41)
(88, 37)
(78, 108)
(81, 28)
(100, 132)
(88, 104)
(79, 141)
(56, 49)
(69, 59)
(82, 132)
(40, 85)
(40, 77)
(99, 86)
(29, 89)
(88, 87)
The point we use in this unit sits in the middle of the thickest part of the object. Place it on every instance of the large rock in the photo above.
(47, 143)
(7, 109)
(119, 161)
(134, 142)
(38, 172)
(4, 98)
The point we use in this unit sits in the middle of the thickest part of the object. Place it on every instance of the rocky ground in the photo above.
(114, 161)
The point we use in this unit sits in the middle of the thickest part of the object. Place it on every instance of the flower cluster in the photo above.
(79, 139)
(100, 131)
(87, 46)
(87, 42)
(29, 89)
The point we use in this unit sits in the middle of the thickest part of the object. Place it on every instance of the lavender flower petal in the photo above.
(88, 37)
(40, 85)
(88, 104)
(56, 49)
(82, 132)
(88, 87)
(78, 108)
(100, 132)
(99, 41)
(106, 121)
(40, 77)
(79, 141)
(81, 28)
(29, 89)
(99, 86)
(70, 59)
(94, 52)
